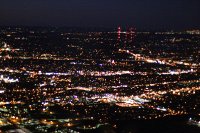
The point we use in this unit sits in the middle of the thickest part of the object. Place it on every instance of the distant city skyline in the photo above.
(142, 14)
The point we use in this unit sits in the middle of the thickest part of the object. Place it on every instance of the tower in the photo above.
(119, 33)
(131, 34)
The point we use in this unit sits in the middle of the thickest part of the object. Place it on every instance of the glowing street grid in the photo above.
(59, 81)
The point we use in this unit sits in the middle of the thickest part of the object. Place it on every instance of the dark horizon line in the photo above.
(99, 27)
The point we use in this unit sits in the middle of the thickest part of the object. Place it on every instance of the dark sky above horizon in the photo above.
(152, 14)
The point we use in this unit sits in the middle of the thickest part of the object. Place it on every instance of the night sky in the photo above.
(150, 14)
